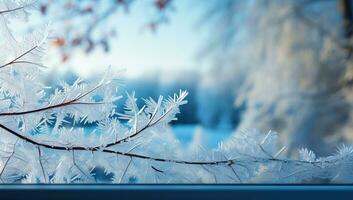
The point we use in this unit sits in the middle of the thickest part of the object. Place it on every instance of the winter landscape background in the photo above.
(176, 91)
(283, 66)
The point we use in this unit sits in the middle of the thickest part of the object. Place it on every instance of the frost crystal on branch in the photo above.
(42, 139)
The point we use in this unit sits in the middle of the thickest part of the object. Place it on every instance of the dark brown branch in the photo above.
(148, 125)
(15, 9)
(67, 103)
(131, 155)
(38, 110)
(18, 57)
(11, 10)
(74, 101)
(157, 170)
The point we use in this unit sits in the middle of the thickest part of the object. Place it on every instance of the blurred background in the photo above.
(277, 65)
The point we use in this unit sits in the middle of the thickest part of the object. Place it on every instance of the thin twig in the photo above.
(7, 160)
(127, 167)
(66, 103)
(41, 164)
(234, 172)
(79, 168)
(12, 10)
(18, 8)
(18, 57)
(157, 170)
(29, 62)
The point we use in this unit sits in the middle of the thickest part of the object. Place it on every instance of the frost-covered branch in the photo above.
(286, 169)
(25, 5)
(177, 101)
(45, 135)
(7, 161)
(63, 104)
(92, 149)
(16, 60)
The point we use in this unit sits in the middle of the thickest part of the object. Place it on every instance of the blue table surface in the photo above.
(214, 192)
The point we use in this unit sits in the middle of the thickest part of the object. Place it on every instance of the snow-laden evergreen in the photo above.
(42, 139)
(288, 62)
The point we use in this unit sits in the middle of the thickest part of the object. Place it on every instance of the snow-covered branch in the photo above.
(42, 139)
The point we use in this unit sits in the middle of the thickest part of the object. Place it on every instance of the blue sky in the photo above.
(173, 47)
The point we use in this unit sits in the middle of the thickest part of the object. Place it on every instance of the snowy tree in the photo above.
(291, 64)
(42, 140)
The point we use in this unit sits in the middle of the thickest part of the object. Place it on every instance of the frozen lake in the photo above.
(210, 136)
